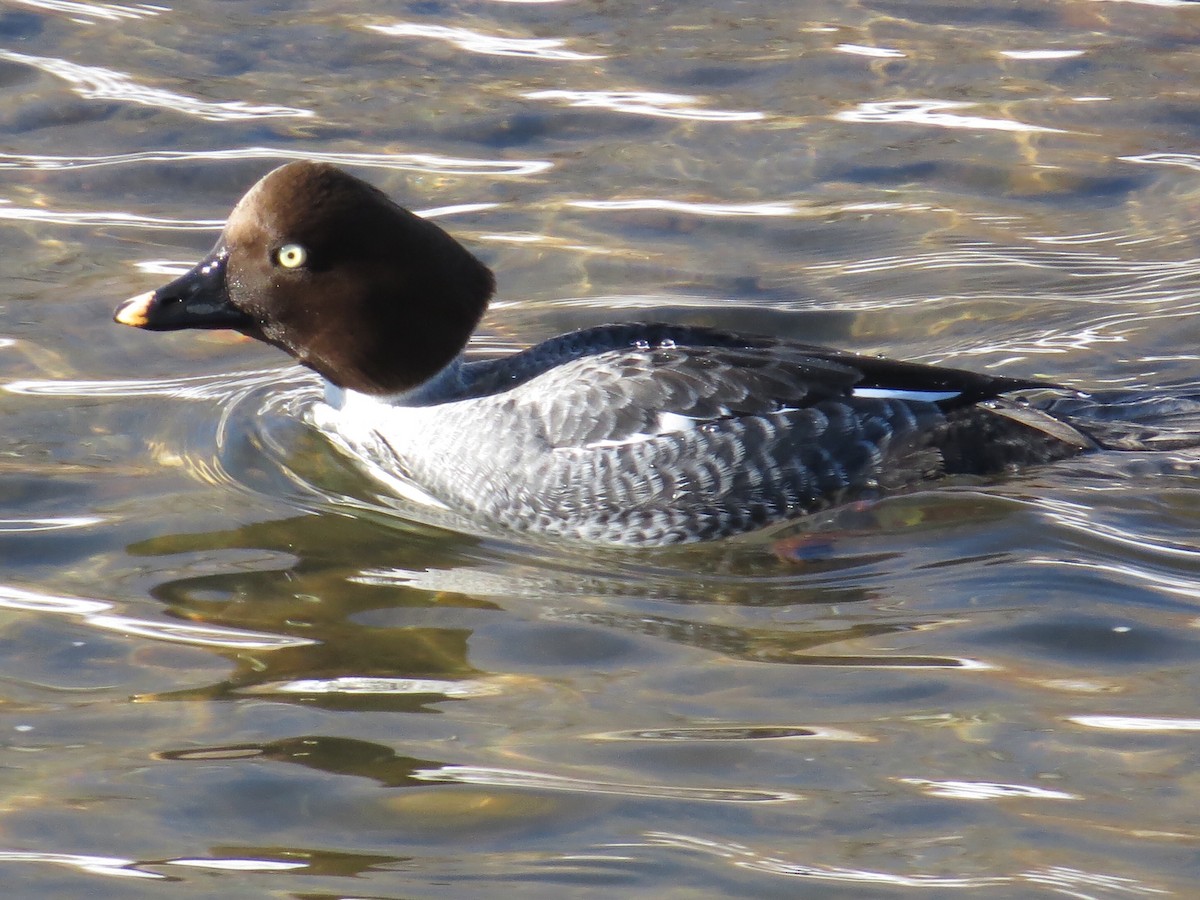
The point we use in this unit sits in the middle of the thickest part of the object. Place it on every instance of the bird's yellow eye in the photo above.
(291, 256)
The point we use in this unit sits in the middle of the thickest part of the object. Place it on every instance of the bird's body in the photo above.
(634, 435)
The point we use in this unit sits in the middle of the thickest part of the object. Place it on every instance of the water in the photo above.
(228, 667)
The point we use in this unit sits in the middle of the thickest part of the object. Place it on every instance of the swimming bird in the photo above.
(625, 434)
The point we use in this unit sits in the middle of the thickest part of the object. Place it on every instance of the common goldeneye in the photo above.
(634, 435)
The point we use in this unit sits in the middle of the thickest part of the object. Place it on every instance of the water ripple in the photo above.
(1129, 285)
(1186, 160)
(95, 83)
(879, 52)
(111, 219)
(416, 162)
(197, 635)
(543, 781)
(172, 268)
(701, 209)
(93, 865)
(704, 733)
(1080, 517)
(745, 858)
(203, 387)
(1072, 881)
(230, 864)
(1170, 4)
(490, 44)
(84, 13)
(1182, 587)
(28, 526)
(932, 112)
(985, 790)
(647, 103)
(96, 614)
(1041, 54)
(357, 684)
(1136, 723)
(117, 867)
(435, 212)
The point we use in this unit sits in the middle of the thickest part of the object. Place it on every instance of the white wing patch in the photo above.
(875, 393)
(667, 423)
(638, 438)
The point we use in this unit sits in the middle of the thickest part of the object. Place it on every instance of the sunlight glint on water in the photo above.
(233, 666)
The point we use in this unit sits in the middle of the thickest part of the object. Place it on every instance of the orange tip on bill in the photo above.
(135, 311)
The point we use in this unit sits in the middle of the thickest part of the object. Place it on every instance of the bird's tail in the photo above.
(1140, 420)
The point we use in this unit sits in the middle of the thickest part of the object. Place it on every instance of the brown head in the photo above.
(326, 267)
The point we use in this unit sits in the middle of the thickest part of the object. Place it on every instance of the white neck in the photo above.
(444, 385)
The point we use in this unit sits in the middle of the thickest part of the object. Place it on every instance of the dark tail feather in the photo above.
(1133, 419)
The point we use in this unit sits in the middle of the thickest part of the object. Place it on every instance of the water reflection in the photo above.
(399, 638)
(1073, 882)
(343, 756)
(777, 645)
(701, 209)
(367, 760)
(647, 103)
(95, 613)
(27, 526)
(734, 733)
(1041, 54)
(1185, 160)
(542, 781)
(478, 42)
(111, 219)
(416, 162)
(878, 52)
(1136, 723)
(96, 83)
(92, 865)
(977, 790)
(231, 667)
(85, 13)
(349, 684)
(932, 112)
(115, 867)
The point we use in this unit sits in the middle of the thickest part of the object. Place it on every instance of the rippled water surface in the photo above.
(229, 668)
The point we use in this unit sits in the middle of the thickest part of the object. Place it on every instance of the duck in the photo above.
(626, 435)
